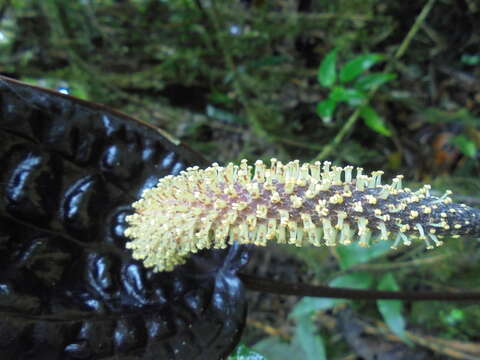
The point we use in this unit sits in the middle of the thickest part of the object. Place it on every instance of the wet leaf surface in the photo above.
(68, 287)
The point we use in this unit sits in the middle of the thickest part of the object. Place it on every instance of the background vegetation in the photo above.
(389, 85)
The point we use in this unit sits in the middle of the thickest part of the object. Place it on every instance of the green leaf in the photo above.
(325, 109)
(276, 349)
(470, 59)
(374, 121)
(326, 72)
(353, 254)
(220, 97)
(462, 116)
(351, 96)
(79, 91)
(311, 343)
(267, 61)
(391, 310)
(355, 67)
(452, 317)
(244, 353)
(309, 305)
(371, 81)
(357, 280)
(222, 115)
(466, 146)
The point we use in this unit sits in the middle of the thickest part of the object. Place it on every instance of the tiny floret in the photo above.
(299, 204)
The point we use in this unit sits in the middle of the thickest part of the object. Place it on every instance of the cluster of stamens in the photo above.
(291, 203)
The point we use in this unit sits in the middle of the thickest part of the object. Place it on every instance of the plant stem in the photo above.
(284, 288)
(327, 150)
(414, 29)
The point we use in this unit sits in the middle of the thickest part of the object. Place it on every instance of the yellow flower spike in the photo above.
(316, 204)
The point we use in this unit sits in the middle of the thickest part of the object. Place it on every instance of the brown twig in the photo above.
(255, 283)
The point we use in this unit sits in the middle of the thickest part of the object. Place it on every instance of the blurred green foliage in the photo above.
(242, 352)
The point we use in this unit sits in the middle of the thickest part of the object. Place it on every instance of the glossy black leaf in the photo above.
(68, 287)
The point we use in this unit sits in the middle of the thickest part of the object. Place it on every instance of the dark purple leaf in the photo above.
(68, 287)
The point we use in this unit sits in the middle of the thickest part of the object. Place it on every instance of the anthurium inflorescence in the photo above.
(291, 203)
